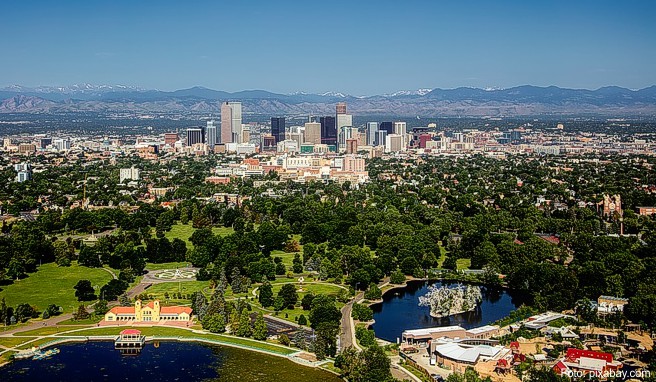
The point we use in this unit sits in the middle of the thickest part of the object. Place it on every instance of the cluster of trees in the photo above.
(369, 365)
(216, 315)
(23, 312)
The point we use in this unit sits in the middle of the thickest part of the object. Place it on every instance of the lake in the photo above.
(400, 310)
(169, 361)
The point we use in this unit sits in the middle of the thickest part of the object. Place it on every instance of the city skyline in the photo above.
(376, 48)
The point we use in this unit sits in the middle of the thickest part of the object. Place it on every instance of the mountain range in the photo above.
(516, 101)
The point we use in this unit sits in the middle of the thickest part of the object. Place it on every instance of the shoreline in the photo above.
(149, 339)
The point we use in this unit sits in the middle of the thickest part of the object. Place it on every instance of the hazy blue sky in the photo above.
(358, 47)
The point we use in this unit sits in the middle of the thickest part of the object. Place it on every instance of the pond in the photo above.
(169, 361)
(400, 310)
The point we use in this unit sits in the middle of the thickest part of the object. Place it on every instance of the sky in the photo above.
(358, 47)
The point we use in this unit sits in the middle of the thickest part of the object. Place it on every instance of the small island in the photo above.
(445, 301)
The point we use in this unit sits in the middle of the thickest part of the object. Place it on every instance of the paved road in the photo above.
(346, 334)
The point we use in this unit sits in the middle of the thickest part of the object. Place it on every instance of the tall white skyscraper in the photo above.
(210, 134)
(401, 128)
(231, 130)
(372, 129)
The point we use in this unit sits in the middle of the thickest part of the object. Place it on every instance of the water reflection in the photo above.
(400, 310)
(171, 361)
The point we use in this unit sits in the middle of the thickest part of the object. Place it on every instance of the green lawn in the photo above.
(184, 231)
(89, 321)
(52, 284)
(174, 265)
(440, 261)
(175, 332)
(314, 288)
(184, 287)
(10, 342)
(48, 330)
(287, 258)
(463, 263)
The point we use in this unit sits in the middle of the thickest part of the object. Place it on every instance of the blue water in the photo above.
(170, 361)
(400, 311)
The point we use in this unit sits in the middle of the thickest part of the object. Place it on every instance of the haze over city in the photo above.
(363, 191)
(359, 48)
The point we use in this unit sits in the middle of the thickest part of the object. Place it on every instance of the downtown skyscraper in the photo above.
(231, 122)
(278, 128)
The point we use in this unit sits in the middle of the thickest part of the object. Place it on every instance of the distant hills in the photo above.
(517, 101)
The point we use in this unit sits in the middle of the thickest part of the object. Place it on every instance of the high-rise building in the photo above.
(381, 135)
(340, 108)
(351, 146)
(246, 134)
(268, 143)
(401, 128)
(328, 130)
(372, 129)
(210, 134)
(387, 127)
(62, 144)
(231, 129)
(313, 133)
(393, 143)
(45, 142)
(170, 139)
(343, 121)
(23, 172)
(131, 173)
(195, 135)
(278, 128)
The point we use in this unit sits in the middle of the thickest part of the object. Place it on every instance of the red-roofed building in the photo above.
(151, 312)
(586, 362)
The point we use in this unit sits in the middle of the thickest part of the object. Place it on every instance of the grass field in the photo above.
(10, 342)
(174, 265)
(184, 231)
(48, 330)
(52, 284)
(175, 332)
(463, 263)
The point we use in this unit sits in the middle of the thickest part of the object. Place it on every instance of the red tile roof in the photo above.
(574, 354)
(175, 310)
(122, 310)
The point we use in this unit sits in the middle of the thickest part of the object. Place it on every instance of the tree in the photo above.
(199, 305)
(326, 340)
(365, 336)
(306, 301)
(374, 366)
(244, 329)
(81, 313)
(124, 300)
(279, 304)
(266, 294)
(88, 257)
(302, 320)
(397, 277)
(24, 312)
(215, 323)
(297, 264)
(324, 310)
(260, 328)
(100, 308)
(113, 289)
(284, 339)
(63, 253)
(289, 295)
(585, 310)
(362, 312)
(373, 292)
(84, 291)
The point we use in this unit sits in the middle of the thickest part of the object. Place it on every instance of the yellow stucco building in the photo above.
(151, 312)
